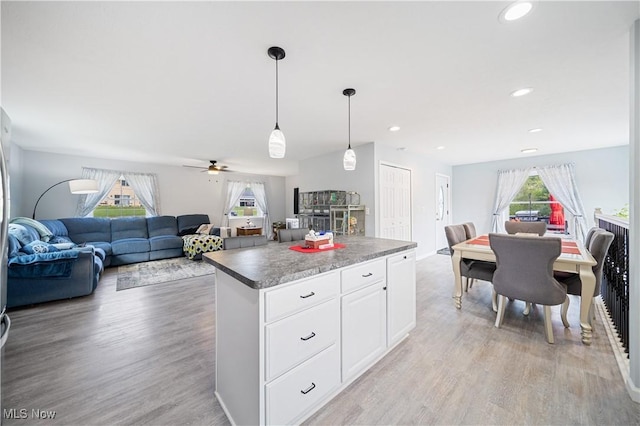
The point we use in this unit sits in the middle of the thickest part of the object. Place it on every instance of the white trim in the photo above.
(616, 220)
(618, 350)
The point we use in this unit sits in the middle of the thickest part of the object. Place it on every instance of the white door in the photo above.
(395, 202)
(443, 214)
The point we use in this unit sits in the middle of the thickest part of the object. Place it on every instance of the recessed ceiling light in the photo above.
(522, 92)
(516, 11)
(536, 130)
(528, 150)
(440, 147)
(394, 128)
(402, 148)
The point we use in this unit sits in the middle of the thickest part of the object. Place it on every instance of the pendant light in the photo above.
(349, 159)
(277, 142)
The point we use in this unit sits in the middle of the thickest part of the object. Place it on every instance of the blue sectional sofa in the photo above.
(71, 253)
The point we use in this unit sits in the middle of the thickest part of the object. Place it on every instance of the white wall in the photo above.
(602, 176)
(182, 190)
(423, 182)
(326, 172)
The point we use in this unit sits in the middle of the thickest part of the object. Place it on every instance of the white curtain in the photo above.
(234, 191)
(260, 195)
(561, 182)
(145, 186)
(509, 184)
(106, 179)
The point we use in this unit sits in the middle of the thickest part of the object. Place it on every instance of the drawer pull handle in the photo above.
(309, 389)
(309, 336)
(367, 275)
(308, 295)
(405, 257)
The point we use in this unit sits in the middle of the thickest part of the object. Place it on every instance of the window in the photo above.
(534, 203)
(121, 201)
(246, 205)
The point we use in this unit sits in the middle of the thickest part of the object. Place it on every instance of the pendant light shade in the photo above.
(349, 159)
(277, 141)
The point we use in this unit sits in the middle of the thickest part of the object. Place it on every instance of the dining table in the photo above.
(574, 258)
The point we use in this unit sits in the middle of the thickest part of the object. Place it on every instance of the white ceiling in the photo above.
(183, 83)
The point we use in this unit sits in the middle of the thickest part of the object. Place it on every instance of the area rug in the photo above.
(160, 271)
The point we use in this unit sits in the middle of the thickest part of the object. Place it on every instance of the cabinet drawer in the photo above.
(301, 295)
(298, 337)
(363, 274)
(290, 396)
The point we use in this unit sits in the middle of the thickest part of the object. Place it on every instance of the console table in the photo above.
(248, 230)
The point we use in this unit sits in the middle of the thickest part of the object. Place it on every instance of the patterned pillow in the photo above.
(36, 247)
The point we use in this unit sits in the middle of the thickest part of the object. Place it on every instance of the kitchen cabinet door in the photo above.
(401, 296)
(363, 328)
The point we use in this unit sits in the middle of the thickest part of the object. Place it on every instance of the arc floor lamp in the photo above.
(76, 186)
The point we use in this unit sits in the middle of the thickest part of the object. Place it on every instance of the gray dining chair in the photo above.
(470, 230)
(598, 246)
(470, 269)
(513, 227)
(525, 272)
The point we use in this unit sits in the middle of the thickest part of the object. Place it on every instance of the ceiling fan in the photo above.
(213, 169)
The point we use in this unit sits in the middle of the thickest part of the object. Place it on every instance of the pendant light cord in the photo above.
(349, 121)
(276, 93)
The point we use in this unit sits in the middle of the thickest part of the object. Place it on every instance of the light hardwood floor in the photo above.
(145, 356)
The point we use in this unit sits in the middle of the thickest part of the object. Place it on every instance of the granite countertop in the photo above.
(272, 264)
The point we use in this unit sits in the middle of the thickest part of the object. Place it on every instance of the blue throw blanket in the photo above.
(55, 264)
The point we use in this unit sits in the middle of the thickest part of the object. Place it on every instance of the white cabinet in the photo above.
(283, 352)
(363, 328)
(401, 296)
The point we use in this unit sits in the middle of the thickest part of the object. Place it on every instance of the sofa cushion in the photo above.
(189, 223)
(163, 242)
(130, 245)
(88, 229)
(56, 227)
(129, 227)
(162, 225)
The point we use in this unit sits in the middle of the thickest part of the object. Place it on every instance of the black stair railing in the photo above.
(615, 276)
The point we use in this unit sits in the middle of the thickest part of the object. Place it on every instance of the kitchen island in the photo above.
(294, 329)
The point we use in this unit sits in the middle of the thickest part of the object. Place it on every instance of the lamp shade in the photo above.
(83, 186)
(277, 143)
(349, 159)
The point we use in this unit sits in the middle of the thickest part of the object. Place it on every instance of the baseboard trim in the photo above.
(618, 350)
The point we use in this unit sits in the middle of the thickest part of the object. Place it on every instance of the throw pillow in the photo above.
(36, 247)
(214, 231)
(23, 234)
